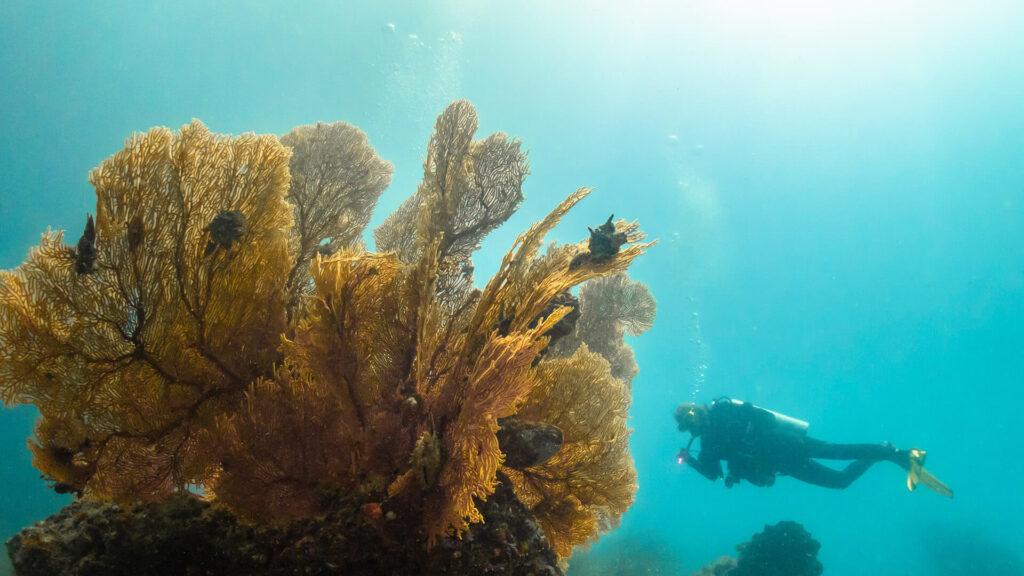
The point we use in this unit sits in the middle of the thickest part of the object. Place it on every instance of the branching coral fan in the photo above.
(223, 329)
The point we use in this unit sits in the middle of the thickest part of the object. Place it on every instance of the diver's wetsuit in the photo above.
(757, 448)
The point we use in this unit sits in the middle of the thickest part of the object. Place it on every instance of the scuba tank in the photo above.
(786, 424)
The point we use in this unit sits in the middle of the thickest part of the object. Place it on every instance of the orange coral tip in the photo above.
(372, 510)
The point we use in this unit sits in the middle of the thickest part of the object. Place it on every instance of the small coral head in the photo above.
(372, 511)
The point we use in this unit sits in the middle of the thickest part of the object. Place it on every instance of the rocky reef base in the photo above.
(186, 536)
(784, 549)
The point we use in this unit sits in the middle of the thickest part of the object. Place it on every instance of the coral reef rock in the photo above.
(721, 567)
(785, 549)
(184, 535)
(178, 536)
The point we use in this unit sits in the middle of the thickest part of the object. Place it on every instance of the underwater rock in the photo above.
(179, 536)
(225, 229)
(785, 549)
(721, 567)
(527, 444)
(509, 541)
(85, 253)
(183, 535)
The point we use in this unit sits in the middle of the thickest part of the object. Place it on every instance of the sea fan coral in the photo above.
(469, 188)
(590, 482)
(130, 363)
(336, 181)
(222, 328)
(611, 308)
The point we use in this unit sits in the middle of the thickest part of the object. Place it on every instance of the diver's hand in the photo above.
(684, 457)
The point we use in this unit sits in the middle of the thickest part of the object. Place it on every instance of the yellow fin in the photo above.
(926, 478)
(918, 474)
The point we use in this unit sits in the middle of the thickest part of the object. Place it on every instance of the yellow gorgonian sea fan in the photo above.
(221, 325)
(131, 342)
(611, 307)
(588, 484)
(332, 416)
(466, 390)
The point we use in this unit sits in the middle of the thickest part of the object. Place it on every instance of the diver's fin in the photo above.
(918, 474)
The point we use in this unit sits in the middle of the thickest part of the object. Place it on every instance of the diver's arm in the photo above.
(708, 465)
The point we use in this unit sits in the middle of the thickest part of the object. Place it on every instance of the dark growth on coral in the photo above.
(85, 252)
(225, 229)
(604, 244)
(136, 233)
(567, 324)
(526, 444)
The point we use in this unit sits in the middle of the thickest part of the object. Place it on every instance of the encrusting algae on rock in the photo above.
(233, 337)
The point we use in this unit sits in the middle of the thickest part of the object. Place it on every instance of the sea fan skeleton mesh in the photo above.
(473, 187)
(336, 181)
(611, 308)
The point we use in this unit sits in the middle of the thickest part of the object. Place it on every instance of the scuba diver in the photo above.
(758, 444)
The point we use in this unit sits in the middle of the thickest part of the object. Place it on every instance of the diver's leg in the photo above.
(814, 448)
(820, 475)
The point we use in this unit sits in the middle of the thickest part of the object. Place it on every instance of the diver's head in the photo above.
(691, 418)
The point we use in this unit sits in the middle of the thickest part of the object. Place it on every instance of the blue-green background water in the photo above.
(838, 190)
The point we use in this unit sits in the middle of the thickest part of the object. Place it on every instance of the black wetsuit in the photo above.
(757, 448)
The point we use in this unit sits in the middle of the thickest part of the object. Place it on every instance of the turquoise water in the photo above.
(838, 191)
